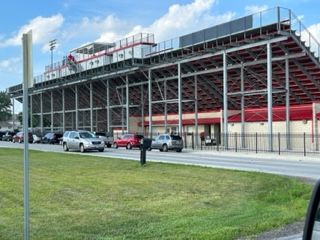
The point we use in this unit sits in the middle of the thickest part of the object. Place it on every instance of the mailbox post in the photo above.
(145, 145)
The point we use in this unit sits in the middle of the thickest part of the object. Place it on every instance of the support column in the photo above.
(76, 107)
(269, 87)
(41, 112)
(108, 108)
(63, 112)
(165, 106)
(196, 110)
(31, 111)
(287, 105)
(179, 100)
(91, 109)
(13, 120)
(51, 107)
(142, 112)
(127, 105)
(122, 112)
(242, 107)
(150, 101)
(225, 100)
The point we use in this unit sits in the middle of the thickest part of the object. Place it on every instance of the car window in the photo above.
(173, 137)
(72, 135)
(167, 137)
(161, 137)
(66, 134)
(86, 135)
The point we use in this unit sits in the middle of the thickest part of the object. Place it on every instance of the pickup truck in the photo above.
(107, 138)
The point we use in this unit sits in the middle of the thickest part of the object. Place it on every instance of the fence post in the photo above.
(256, 142)
(201, 144)
(304, 144)
(192, 140)
(236, 141)
(279, 142)
(185, 139)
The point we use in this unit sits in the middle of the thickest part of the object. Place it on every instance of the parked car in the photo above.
(165, 142)
(19, 137)
(8, 136)
(129, 141)
(82, 140)
(52, 138)
(36, 138)
(1, 134)
(210, 141)
(107, 138)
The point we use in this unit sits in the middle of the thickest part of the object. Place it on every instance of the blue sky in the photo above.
(75, 22)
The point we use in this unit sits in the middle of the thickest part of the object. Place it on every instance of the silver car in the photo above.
(165, 142)
(82, 140)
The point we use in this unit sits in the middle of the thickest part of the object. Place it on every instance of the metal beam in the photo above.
(91, 107)
(242, 107)
(269, 86)
(51, 108)
(76, 107)
(179, 99)
(255, 92)
(150, 101)
(225, 99)
(196, 111)
(41, 111)
(287, 104)
(63, 112)
(127, 104)
(108, 106)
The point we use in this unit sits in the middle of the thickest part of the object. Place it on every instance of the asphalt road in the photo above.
(290, 165)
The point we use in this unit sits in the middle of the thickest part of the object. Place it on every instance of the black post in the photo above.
(256, 142)
(185, 139)
(304, 144)
(201, 143)
(236, 142)
(143, 156)
(192, 140)
(279, 142)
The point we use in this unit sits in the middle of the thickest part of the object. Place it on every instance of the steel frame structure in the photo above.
(270, 65)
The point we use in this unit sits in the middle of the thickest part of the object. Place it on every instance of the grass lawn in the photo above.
(82, 197)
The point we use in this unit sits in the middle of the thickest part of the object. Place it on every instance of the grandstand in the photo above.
(258, 73)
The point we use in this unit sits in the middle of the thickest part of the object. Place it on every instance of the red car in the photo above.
(129, 141)
(20, 138)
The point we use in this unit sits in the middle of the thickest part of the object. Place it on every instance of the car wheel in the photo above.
(116, 145)
(101, 149)
(82, 148)
(65, 147)
(129, 146)
(179, 150)
(165, 148)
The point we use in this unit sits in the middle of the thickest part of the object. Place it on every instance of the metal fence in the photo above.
(300, 143)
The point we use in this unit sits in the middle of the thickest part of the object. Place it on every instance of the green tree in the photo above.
(5, 104)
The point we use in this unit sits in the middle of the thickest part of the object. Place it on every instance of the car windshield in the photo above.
(86, 135)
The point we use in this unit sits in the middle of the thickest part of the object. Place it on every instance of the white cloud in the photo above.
(315, 32)
(182, 19)
(43, 30)
(11, 65)
(252, 9)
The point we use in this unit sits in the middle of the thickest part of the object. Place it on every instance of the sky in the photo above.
(76, 22)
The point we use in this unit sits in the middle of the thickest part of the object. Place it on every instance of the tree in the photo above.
(5, 104)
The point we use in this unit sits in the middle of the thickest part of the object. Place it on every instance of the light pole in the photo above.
(52, 45)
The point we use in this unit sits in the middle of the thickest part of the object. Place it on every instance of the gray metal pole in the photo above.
(122, 113)
(269, 87)
(150, 101)
(179, 99)
(51, 108)
(91, 108)
(27, 82)
(225, 100)
(142, 111)
(242, 108)
(76, 107)
(165, 106)
(287, 105)
(13, 120)
(41, 111)
(127, 104)
(31, 110)
(63, 112)
(108, 107)
(196, 111)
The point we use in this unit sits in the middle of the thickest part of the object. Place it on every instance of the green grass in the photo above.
(83, 197)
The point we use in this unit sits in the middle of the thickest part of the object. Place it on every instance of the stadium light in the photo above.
(52, 45)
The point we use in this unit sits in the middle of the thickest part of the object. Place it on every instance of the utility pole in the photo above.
(52, 45)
